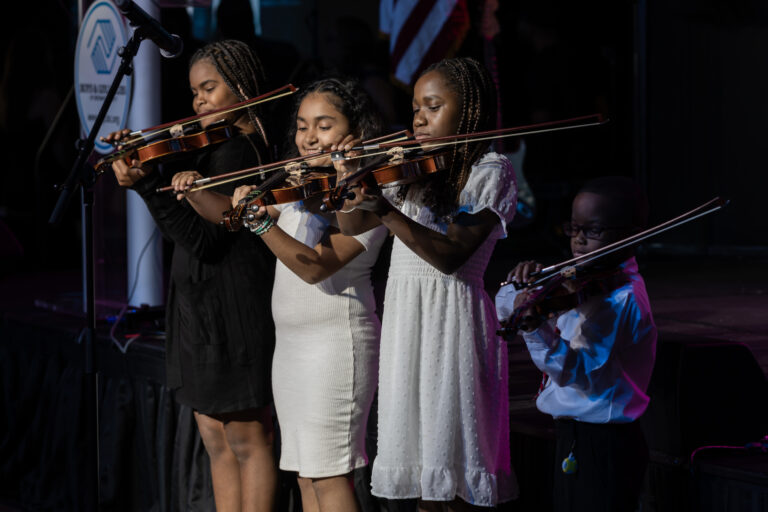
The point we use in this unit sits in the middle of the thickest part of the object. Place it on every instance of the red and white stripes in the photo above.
(421, 32)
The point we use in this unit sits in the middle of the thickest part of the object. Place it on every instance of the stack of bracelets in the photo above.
(261, 225)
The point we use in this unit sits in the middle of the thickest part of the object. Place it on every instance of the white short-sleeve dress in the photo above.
(325, 366)
(443, 397)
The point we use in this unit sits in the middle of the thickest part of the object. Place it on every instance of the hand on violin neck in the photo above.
(115, 137)
(181, 183)
(254, 217)
(241, 193)
(367, 198)
(128, 175)
(521, 274)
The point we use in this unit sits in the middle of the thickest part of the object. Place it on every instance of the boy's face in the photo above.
(598, 217)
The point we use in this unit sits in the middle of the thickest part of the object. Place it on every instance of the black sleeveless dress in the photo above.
(219, 330)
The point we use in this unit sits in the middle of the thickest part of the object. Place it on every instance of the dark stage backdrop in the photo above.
(707, 116)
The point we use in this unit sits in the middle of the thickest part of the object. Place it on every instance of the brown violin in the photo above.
(272, 192)
(183, 136)
(173, 147)
(565, 291)
(385, 175)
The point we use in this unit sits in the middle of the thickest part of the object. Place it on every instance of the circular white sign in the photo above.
(102, 33)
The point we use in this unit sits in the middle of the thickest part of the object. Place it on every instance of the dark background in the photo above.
(681, 81)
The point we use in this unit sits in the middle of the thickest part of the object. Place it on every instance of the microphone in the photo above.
(170, 45)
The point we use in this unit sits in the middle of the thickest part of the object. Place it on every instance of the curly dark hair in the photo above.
(477, 93)
(241, 70)
(349, 98)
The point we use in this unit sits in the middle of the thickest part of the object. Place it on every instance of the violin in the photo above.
(165, 148)
(399, 172)
(569, 289)
(269, 193)
(550, 292)
(185, 135)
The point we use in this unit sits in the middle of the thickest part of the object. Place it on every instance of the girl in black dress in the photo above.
(219, 331)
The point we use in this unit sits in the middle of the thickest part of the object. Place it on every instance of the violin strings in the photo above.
(212, 182)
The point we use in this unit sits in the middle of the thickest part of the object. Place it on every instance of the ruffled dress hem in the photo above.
(473, 485)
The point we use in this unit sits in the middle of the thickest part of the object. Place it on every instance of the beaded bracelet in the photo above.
(261, 226)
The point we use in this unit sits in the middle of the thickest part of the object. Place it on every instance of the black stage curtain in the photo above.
(151, 455)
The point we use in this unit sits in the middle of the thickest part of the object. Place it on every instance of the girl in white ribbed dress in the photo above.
(325, 366)
(443, 399)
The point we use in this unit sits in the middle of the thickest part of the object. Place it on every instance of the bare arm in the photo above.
(313, 264)
(446, 252)
(356, 221)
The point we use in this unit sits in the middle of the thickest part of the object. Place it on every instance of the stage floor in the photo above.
(710, 299)
(723, 299)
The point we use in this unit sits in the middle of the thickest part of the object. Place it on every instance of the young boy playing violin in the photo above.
(597, 357)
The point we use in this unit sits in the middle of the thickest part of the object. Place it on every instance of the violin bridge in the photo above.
(295, 173)
(569, 272)
(395, 154)
(176, 131)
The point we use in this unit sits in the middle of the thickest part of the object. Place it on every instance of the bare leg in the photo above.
(336, 494)
(309, 501)
(225, 470)
(250, 436)
(430, 506)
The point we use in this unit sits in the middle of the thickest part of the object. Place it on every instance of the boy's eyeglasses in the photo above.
(594, 232)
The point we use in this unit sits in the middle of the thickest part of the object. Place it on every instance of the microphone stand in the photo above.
(83, 176)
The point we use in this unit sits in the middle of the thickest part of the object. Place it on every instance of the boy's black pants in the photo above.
(611, 462)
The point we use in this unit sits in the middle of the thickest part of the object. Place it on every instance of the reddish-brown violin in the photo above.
(268, 193)
(163, 149)
(386, 175)
(176, 138)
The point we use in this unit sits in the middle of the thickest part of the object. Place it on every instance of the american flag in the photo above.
(421, 32)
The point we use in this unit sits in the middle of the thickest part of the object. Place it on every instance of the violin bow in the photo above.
(221, 179)
(516, 131)
(140, 135)
(710, 206)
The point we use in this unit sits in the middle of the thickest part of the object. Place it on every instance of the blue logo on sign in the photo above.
(101, 44)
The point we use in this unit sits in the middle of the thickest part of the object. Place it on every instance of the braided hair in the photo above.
(477, 94)
(349, 98)
(241, 71)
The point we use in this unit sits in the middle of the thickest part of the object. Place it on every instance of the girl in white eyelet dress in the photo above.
(442, 363)
(443, 397)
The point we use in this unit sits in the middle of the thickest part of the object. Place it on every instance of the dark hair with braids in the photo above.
(477, 94)
(349, 98)
(240, 69)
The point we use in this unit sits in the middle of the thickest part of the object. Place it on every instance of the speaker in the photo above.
(704, 392)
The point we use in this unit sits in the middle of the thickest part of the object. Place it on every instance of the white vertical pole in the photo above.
(144, 244)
